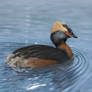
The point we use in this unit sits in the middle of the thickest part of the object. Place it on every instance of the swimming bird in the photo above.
(43, 55)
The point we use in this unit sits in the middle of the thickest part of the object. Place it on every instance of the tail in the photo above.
(10, 60)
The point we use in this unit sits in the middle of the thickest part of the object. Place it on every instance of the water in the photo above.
(26, 22)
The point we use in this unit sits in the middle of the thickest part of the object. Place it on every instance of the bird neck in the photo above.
(64, 46)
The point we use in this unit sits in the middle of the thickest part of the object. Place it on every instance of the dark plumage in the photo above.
(42, 52)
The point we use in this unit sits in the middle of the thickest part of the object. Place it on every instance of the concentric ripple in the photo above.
(80, 65)
(73, 73)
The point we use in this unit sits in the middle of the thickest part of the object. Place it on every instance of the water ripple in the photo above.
(73, 73)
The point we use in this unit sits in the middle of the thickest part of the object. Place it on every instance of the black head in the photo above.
(60, 33)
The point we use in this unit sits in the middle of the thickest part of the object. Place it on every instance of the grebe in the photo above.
(42, 55)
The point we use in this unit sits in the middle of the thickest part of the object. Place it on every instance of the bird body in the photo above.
(42, 55)
(37, 55)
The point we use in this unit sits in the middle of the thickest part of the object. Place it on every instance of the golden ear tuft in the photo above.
(58, 26)
(57, 23)
(63, 23)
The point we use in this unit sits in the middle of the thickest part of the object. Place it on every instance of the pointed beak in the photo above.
(73, 35)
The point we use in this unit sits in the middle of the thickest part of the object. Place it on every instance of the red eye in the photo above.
(65, 32)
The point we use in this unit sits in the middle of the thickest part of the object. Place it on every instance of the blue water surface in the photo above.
(26, 22)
